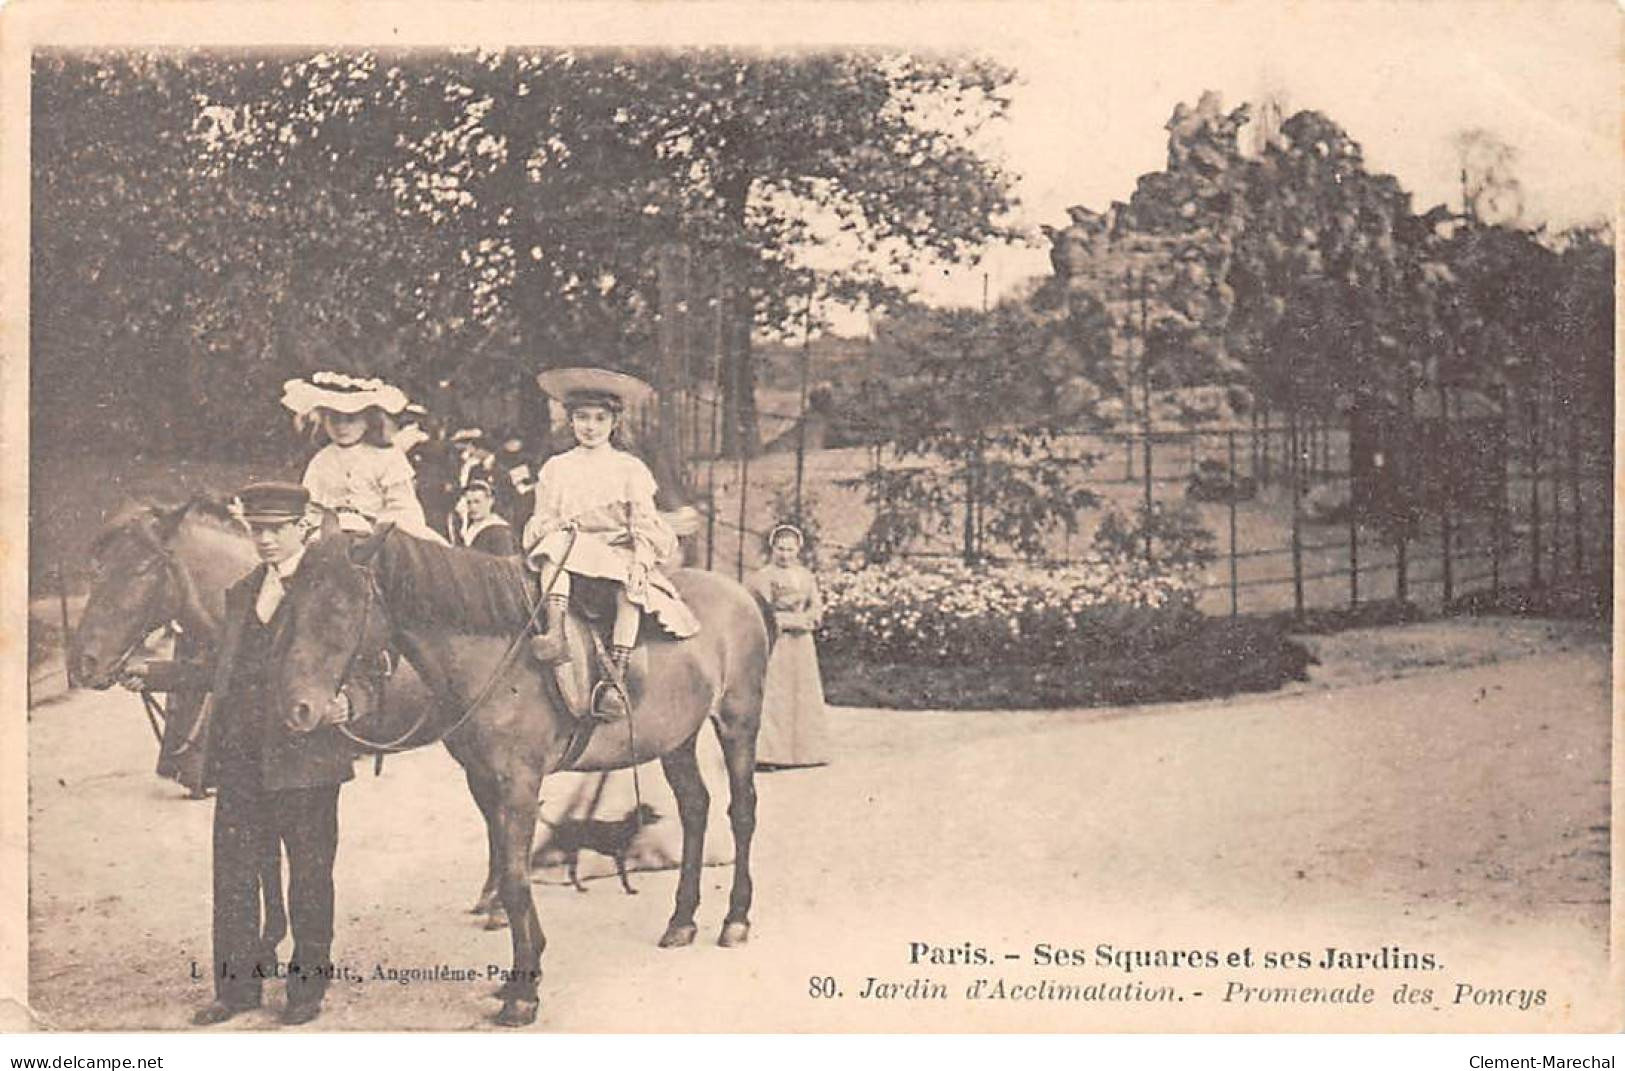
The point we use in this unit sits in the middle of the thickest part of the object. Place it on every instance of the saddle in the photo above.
(586, 632)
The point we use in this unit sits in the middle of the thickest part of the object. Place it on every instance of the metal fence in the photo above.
(1298, 527)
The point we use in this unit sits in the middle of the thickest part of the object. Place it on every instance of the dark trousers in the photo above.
(249, 825)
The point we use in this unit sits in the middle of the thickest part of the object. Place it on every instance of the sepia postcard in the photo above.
(854, 517)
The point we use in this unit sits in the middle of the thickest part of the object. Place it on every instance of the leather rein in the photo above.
(382, 672)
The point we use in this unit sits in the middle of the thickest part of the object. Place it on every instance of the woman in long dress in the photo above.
(794, 730)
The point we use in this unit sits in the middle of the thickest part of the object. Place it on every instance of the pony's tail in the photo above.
(769, 618)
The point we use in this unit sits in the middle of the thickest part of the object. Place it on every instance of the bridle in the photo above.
(380, 673)
(155, 613)
(181, 593)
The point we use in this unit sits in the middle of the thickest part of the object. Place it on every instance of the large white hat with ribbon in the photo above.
(341, 393)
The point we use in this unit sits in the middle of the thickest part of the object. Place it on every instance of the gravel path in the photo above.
(1460, 808)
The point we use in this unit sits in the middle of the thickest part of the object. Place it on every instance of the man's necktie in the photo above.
(270, 596)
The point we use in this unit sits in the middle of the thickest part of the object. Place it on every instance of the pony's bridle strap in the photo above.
(400, 742)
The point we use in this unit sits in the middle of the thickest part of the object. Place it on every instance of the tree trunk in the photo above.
(739, 417)
(740, 425)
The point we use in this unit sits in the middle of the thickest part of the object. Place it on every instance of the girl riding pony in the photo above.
(359, 474)
(595, 516)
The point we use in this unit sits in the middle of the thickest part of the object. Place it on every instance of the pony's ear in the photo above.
(169, 518)
(364, 549)
(323, 524)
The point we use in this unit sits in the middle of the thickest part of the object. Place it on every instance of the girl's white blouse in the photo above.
(603, 491)
(375, 481)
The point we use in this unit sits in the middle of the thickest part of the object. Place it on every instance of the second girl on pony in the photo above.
(595, 516)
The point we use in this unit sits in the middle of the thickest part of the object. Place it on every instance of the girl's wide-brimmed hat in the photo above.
(615, 391)
(342, 394)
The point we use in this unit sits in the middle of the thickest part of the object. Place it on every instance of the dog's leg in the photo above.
(574, 858)
(620, 868)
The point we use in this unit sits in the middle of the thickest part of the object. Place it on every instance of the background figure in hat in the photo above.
(794, 725)
(605, 497)
(359, 473)
(278, 784)
(482, 528)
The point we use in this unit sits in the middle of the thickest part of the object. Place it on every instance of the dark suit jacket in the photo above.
(287, 759)
(496, 539)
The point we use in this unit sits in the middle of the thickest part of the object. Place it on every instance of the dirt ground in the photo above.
(1442, 788)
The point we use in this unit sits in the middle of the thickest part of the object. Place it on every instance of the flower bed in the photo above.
(940, 635)
(943, 613)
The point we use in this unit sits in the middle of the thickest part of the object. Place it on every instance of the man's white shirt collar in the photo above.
(288, 566)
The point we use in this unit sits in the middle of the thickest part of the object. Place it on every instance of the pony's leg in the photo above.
(516, 816)
(693, 805)
(489, 904)
(738, 738)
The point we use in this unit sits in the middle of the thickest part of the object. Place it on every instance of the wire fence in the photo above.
(1302, 517)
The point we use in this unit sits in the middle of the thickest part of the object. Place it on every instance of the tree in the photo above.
(564, 171)
(976, 403)
(170, 299)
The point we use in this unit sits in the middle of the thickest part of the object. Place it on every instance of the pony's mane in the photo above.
(455, 587)
(215, 509)
(145, 518)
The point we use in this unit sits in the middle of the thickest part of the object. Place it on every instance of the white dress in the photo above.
(794, 724)
(607, 497)
(366, 484)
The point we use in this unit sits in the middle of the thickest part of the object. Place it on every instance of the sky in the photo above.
(1097, 83)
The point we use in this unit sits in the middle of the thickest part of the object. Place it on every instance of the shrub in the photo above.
(1213, 657)
(940, 612)
(1181, 548)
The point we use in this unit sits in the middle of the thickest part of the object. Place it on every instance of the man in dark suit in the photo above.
(274, 784)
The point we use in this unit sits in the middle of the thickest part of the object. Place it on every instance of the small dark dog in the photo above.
(611, 838)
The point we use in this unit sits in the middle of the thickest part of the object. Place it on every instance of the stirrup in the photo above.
(609, 703)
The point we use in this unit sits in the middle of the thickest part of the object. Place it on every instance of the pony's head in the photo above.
(333, 631)
(134, 590)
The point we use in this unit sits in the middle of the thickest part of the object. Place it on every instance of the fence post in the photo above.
(1498, 533)
(1148, 499)
(1354, 556)
(67, 629)
(1294, 474)
(1534, 487)
(801, 419)
(1447, 517)
(1402, 588)
(744, 496)
(1252, 443)
(1264, 450)
(1235, 586)
(1574, 492)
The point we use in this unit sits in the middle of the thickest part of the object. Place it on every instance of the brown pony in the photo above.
(460, 617)
(161, 564)
(157, 567)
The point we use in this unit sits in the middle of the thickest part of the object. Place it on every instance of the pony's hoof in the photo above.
(496, 920)
(518, 1012)
(512, 989)
(484, 906)
(678, 936)
(734, 934)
